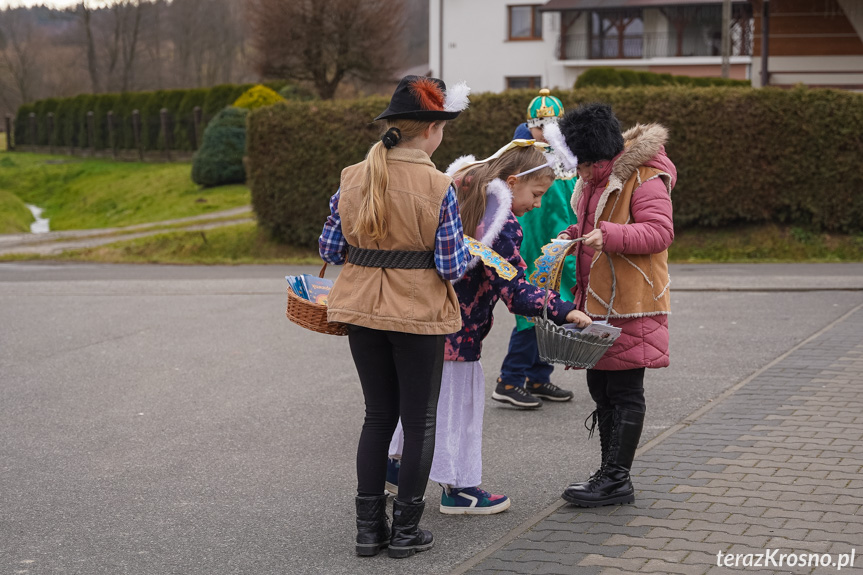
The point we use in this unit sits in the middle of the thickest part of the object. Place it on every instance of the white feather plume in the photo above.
(497, 211)
(564, 155)
(457, 97)
(459, 163)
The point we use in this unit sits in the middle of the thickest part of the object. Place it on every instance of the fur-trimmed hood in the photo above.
(644, 145)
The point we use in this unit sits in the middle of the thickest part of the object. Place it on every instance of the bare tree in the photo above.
(18, 47)
(130, 13)
(326, 41)
(86, 16)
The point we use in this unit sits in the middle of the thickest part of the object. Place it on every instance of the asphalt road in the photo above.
(170, 420)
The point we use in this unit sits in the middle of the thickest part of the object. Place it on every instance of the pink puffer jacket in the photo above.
(644, 341)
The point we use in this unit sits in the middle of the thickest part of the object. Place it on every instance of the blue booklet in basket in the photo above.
(310, 287)
(317, 289)
(296, 285)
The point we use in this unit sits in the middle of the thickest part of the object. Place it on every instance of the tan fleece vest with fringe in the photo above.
(641, 281)
(409, 301)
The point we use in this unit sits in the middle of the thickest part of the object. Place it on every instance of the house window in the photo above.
(525, 22)
(520, 82)
(616, 34)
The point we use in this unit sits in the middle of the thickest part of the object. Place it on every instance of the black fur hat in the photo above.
(592, 132)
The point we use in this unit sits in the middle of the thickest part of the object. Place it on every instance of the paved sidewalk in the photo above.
(775, 465)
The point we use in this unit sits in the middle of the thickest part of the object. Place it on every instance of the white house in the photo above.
(500, 44)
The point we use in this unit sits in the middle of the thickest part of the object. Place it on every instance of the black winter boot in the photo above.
(603, 418)
(373, 528)
(407, 537)
(613, 484)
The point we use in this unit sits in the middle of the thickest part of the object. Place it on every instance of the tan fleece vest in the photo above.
(410, 301)
(641, 281)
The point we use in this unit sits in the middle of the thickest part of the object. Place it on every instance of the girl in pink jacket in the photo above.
(623, 204)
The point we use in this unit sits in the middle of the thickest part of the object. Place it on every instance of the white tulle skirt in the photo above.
(457, 458)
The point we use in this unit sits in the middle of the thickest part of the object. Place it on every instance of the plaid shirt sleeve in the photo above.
(450, 253)
(332, 245)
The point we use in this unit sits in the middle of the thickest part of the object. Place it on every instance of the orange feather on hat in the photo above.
(428, 94)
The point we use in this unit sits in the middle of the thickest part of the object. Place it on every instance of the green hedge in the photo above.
(70, 115)
(743, 155)
(605, 77)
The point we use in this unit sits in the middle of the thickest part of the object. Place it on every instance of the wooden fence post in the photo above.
(51, 131)
(91, 132)
(136, 129)
(10, 137)
(111, 135)
(196, 117)
(166, 133)
(32, 141)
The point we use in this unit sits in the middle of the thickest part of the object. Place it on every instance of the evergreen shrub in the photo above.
(604, 77)
(22, 124)
(70, 119)
(220, 159)
(184, 119)
(257, 97)
(742, 155)
(292, 91)
(42, 108)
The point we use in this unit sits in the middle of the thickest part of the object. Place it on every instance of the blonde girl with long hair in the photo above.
(491, 194)
(395, 226)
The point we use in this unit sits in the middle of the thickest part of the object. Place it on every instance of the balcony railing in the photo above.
(653, 45)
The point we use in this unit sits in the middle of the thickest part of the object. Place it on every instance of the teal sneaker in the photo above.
(472, 501)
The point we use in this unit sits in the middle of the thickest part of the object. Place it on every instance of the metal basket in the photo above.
(560, 345)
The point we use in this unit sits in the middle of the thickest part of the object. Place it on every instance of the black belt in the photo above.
(399, 259)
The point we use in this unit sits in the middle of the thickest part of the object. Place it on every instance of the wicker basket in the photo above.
(311, 315)
(560, 345)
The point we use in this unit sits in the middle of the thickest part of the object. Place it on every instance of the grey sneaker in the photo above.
(515, 395)
(548, 390)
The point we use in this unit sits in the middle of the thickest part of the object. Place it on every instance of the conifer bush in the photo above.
(604, 77)
(257, 97)
(219, 161)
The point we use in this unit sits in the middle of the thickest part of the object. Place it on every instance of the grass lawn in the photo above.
(246, 244)
(15, 217)
(238, 244)
(764, 244)
(80, 193)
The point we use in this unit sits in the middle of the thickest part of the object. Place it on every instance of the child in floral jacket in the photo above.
(491, 194)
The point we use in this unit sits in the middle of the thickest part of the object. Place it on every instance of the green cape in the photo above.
(540, 226)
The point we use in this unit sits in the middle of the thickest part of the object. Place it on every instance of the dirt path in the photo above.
(57, 242)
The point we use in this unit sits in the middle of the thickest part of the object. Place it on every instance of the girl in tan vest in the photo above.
(395, 225)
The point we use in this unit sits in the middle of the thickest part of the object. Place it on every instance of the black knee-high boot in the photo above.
(373, 529)
(407, 537)
(612, 485)
(603, 419)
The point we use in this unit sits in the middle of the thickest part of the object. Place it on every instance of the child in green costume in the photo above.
(524, 377)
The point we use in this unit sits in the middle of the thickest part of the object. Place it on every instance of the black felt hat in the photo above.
(592, 132)
(425, 99)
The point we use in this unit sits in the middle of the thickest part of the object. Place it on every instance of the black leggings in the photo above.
(623, 388)
(400, 375)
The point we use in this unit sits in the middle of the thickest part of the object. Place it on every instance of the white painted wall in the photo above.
(792, 70)
(476, 48)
